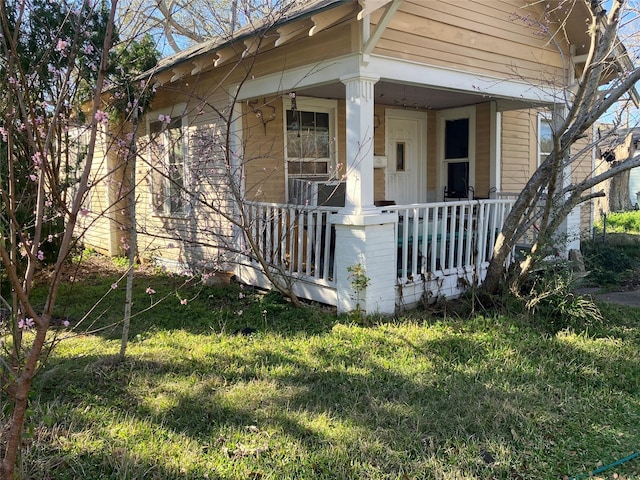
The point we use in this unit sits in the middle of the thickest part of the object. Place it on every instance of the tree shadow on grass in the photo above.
(209, 309)
(375, 402)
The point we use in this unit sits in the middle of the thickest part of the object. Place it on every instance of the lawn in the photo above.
(308, 395)
(619, 222)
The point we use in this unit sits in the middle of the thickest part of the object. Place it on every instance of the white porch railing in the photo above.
(294, 239)
(447, 238)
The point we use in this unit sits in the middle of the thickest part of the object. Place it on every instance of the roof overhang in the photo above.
(307, 20)
(578, 35)
(314, 16)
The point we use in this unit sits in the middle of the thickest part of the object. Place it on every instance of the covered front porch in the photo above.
(409, 193)
(410, 253)
(382, 170)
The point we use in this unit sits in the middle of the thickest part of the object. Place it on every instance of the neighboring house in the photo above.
(616, 145)
(382, 132)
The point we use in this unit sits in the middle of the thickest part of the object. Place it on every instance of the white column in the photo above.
(364, 236)
(568, 232)
(368, 240)
(495, 150)
(359, 161)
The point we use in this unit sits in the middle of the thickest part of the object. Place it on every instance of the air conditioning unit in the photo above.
(317, 193)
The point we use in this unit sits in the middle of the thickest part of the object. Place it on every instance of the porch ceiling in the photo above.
(414, 97)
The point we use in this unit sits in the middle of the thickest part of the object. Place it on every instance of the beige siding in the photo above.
(335, 41)
(479, 36)
(581, 170)
(105, 200)
(432, 154)
(97, 234)
(518, 149)
(264, 153)
(207, 235)
(379, 149)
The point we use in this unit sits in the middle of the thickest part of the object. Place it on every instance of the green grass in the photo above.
(613, 262)
(313, 396)
(621, 222)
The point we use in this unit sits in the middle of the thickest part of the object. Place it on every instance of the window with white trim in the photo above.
(167, 161)
(310, 138)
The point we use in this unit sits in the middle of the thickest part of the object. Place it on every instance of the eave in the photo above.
(307, 21)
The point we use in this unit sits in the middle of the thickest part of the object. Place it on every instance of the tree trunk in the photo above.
(617, 191)
(20, 401)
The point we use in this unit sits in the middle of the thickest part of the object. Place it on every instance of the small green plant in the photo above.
(83, 253)
(359, 283)
(120, 262)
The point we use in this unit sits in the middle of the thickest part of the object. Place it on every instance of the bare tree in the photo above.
(65, 58)
(548, 197)
(213, 194)
(183, 23)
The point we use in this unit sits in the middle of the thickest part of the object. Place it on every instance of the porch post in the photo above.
(364, 236)
(495, 152)
(569, 229)
(368, 241)
(359, 161)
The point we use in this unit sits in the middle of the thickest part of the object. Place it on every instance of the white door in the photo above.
(405, 181)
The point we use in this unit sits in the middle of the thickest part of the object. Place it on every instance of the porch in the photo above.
(425, 251)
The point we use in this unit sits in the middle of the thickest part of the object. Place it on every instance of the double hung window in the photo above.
(310, 146)
(456, 157)
(168, 155)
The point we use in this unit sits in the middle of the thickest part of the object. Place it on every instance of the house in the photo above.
(390, 134)
(616, 145)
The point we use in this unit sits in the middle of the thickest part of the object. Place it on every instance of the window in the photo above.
(456, 139)
(545, 138)
(456, 157)
(310, 139)
(168, 156)
(310, 131)
(457, 179)
(400, 164)
(456, 150)
(308, 143)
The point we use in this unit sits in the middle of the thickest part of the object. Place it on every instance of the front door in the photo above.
(405, 181)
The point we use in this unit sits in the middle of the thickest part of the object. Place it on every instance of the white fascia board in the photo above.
(405, 71)
(401, 71)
